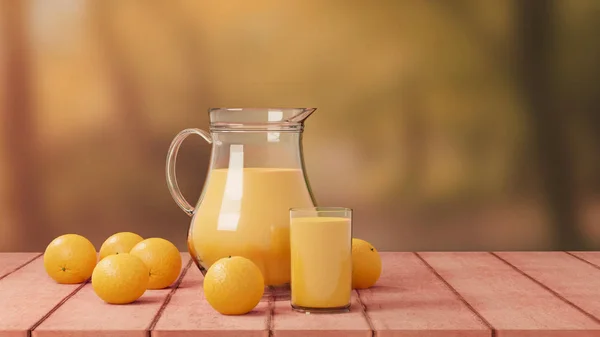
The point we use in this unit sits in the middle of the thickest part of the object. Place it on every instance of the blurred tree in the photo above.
(19, 133)
(414, 124)
(578, 90)
(534, 66)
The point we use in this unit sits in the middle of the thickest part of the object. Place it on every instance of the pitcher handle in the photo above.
(171, 165)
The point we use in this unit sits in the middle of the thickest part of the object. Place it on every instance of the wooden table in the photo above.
(419, 294)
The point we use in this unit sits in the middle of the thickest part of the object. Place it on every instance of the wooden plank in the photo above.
(513, 304)
(590, 257)
(10, 262)
(26, 296)
(570, 278)
(188, 314)
(410, 300)
(289, 323)
(85, 314)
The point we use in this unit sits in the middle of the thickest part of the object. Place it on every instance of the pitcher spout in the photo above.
(301, 115)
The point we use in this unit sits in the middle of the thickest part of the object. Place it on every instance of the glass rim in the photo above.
(321, 209)
(267, 119)
(259, 108)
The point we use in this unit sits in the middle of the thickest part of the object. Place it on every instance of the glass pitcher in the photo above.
(256, 175)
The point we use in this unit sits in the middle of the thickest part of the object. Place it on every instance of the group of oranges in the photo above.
(127, 265)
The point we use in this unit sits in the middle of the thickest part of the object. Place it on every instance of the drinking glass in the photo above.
(321, 259)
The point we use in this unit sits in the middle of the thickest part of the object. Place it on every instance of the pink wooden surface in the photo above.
(288, 323)
(572, 279)
(11, 261)
(189, 315)
(513, 304)
(426, 294)
(85, 314)
(410, 300)
(26, 296)
(590, 257)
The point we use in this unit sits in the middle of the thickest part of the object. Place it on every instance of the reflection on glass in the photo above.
(231, 204)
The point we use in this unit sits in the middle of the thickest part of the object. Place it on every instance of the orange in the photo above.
(120, 278)
(70, 259)
(233, 285)
(163, 260)
(119, 243)
(366, 264)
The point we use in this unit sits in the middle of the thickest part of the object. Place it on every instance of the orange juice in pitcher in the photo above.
(256, 175)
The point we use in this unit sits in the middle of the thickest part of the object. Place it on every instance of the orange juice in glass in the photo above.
(321, 259)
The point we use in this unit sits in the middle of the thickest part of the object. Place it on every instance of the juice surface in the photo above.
(245, 212)
(321, 253)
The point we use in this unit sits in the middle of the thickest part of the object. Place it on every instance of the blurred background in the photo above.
(446, 125)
